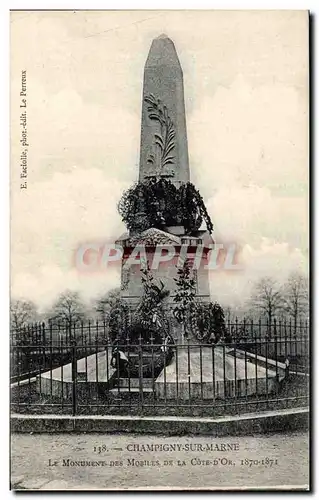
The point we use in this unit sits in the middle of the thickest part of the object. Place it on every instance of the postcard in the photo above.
(159, 314)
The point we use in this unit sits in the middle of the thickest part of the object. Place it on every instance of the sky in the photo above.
(246, 100)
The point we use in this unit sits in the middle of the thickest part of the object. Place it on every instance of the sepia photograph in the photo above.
(159, 291)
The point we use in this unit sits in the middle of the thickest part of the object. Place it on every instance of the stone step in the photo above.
(126, 390)
(133, 382)
(148, 355)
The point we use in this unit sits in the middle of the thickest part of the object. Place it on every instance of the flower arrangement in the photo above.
(159, 203)
(205, 320)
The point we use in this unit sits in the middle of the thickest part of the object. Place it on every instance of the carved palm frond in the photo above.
(151, 158)
(155, 116)
(167, 158)
(169, 143)
(151, 99)
(166, 139)
(168, 161)
(171, 134)
(159, 141)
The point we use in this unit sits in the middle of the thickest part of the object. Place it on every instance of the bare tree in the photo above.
(21, 312)
(230, 314)
(69, 308)
(296, 297)
(105, 303)
(267, 298)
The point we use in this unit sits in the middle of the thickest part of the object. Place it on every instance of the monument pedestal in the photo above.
(153, 242)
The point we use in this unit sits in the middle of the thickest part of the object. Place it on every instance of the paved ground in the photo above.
(41, 461)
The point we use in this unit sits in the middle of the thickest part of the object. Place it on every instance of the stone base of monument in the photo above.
(91, 370)
(132, 385)
(196, 373)
(200, 374)
(94, 374)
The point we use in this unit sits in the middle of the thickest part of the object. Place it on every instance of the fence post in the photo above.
(152, 370)
(51, 357)
(105, 340)
(42, 341)
(74, 374)
(129, 357)
(25, 349)
(188, 373)
(274, 351)
(140, 363)
(43, 333)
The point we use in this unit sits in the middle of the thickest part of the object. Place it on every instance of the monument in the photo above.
(163, 112)
(164, 211)
(164, 164)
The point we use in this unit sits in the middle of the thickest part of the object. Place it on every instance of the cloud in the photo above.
(243, 134)
(248, 148)
(276, 260)
(44, 286)
(250, 213)
(75, 130)
(58, 215)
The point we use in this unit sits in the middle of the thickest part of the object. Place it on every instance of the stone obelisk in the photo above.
(163, 155)
(164, 151)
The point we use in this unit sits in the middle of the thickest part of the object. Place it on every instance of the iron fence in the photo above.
(78, 370)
